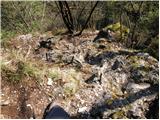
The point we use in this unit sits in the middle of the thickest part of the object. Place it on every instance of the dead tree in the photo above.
(66, 15)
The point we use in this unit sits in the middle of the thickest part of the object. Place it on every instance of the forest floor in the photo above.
(88, 79)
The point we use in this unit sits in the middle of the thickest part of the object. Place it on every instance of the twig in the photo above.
(29, 50)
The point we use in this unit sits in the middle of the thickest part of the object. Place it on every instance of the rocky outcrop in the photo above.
(99, 79)
(128, 78)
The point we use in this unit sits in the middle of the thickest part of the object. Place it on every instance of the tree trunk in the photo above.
(87, 19)
(66, 15)
(135, 25)
(121, 24)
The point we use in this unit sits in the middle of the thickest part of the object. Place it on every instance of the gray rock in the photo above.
(117, 64)
(154, 76)
(137, 75)
(54, 56)
(145, 55)
(93, 79)
(4, 102)
(133, 87)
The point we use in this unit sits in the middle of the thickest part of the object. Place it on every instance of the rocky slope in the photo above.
(101, 79)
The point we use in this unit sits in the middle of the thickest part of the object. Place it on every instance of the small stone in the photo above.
(29, 105)
(133, 87)
(83, 109)
(4, 103)
(50, 82)
(25, 37)
(145, 55)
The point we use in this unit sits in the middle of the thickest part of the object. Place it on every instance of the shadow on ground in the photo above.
(98, 109)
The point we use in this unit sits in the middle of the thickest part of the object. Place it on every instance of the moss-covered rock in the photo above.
(120, 30)
(119, 115)
(117, 27)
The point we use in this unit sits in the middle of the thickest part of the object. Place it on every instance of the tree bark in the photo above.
(66, 15)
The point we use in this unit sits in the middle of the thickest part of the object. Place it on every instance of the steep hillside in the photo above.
(101, 79)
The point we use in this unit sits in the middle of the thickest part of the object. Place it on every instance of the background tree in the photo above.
(142, 18)
(66, 15)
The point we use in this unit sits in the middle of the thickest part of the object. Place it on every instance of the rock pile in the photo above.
(97, 79)
(124, 82)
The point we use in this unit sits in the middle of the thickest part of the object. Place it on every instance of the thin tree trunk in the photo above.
(66, 15)
(135, 25)
(121, 24)
(44, 7)
(79, 16)
(87, 19)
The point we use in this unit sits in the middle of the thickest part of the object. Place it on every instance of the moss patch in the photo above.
(119, 115)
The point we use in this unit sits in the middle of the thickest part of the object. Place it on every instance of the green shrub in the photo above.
(10, 75)
(23, 70)
(117, 26)
(153, 48)
(120, 30)
(6, 36)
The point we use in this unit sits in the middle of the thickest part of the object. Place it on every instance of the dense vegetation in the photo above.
(140, 17)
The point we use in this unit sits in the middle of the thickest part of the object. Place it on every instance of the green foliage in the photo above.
(58, 31)
(54, 74)
(28, 16)
(9, 74)
(70, 88)
(117, 27)
(119, 115)
(135, 63)
(28, 69)
(6, 36)
(153, 48)
(23, 70)
(120, 30)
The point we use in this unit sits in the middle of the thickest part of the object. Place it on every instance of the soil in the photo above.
(24, 100)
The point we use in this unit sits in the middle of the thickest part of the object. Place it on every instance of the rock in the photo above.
(137, 108)
(103, 36)
(66, 58)
(25, 37)
(145, 74)
(54, 56)
(50, 82)
(137, 75)
(45, 44)
(145, 55)
(4, 102)
(153, 76)
(133, 87)
(93, 79)
(83, 109)
(107, 68)
(117, 64)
